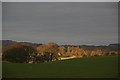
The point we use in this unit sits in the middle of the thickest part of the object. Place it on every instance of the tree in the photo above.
(48, 52)
(18, 53)
(62, 50)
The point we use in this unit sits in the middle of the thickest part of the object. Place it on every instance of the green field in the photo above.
(93, 67)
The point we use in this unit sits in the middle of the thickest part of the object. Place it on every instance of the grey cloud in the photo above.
(84, 23)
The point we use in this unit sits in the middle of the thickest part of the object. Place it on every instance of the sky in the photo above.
(87, 23)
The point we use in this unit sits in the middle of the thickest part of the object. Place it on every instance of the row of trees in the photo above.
(82, 52)
(24, 53)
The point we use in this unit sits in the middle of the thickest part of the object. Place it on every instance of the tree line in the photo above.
(25, 53)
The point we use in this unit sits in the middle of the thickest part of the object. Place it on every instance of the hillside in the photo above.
(10, 42)
(93, 67)
(5, 43)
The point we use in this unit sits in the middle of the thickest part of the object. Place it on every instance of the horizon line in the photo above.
(60, 44)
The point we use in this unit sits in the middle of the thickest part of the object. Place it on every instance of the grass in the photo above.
(93, 67)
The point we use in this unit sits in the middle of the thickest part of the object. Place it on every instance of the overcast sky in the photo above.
(63, 23)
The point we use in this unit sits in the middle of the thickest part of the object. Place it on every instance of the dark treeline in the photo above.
(26, 52)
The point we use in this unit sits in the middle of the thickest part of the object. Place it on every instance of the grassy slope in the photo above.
(84, 68)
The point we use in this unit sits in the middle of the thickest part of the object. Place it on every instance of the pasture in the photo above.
(92, 67)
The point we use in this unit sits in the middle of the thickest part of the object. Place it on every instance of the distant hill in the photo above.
(114, 46)
(5, 43)
(10, 42)
(102, 47)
